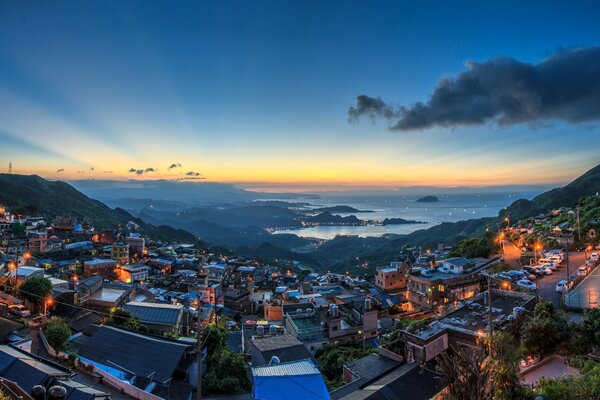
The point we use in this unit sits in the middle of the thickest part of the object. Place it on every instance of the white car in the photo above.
(552, 266)
(546, 270)
(582, 271)
(524, 283)
(594, 256)
(20, 310)
(561, 286)
(444, 270)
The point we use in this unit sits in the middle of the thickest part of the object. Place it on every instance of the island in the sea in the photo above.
(340, 209)
(400, 221)
(428, 199)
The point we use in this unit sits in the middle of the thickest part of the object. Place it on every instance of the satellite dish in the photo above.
(275, 360)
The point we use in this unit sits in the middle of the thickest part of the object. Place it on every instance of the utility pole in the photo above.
(568, 272)
(10, 167)
(578, 224)
(199, 340)
(489, 281)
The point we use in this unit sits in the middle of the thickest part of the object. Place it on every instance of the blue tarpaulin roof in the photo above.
(299, 380)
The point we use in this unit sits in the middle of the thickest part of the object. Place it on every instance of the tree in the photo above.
(585, 386)
(586, 334)
(504, 368)
(57, 332)
(121, 318)
(466, 374)
(226, 372)
(331, 360)
(545, 331)
(36, 289)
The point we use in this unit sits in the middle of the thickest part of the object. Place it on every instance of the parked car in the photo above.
(551, 265)
(528, 275)
(582, 271)
(518, 275)
(444, 270)
(561, 285)
(546, 270)
(532, 270)
(426, 274)
(524, 283)
(507, 276)
(20, 310)
(594, 256)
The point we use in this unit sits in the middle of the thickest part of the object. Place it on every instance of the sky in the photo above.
(257, 93)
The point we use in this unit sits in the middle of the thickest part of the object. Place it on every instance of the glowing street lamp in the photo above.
(536, 249)
(48, 302)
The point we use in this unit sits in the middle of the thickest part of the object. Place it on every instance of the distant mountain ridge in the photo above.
(587, 184)
(32, 194)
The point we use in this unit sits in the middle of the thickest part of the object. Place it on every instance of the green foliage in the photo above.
(500, 267)
(585, 386)
(394, 342)
(57, 332)
(545, 331)
(226, 372)
(586, 334)
(331, 360)
(479, 246)
(35, 289)
(121, 318)
(504, 368)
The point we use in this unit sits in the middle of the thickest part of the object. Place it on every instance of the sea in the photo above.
(449, 208)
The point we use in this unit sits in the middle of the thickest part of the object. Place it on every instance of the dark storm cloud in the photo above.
(60, 170)
(150, 169)
(174, 165)
(91, 168)
(192, 173)
(131, 170)
(564, 87)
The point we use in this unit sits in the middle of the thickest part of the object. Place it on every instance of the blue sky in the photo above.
(258, 92)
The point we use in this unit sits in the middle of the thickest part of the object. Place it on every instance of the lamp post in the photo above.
(536, 248)
(47, 302)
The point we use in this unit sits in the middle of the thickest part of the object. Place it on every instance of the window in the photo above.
(334, 328)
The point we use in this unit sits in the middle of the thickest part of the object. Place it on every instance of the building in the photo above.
(136, 243)
(463, 328)
(237, 299)
(20, 371)
(316, 327)
(100, 266)
(133, 273)
(285, 347)
(162, 266)
(160, 318)
(102, 296)
(454, 280)
(299, 380)
(391, 278)
(37, 241)
(138, 364)
(457, 265)
(120, 252)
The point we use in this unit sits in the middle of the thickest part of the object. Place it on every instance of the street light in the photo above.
(47, 302)
(587, 248)
(537, 248)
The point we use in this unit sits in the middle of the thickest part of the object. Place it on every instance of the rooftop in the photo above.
(155, 313)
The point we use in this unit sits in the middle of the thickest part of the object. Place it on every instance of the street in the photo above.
(546, 284)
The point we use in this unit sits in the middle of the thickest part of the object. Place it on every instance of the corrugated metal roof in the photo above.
(305, 367)
(299, 380)
(155, 313)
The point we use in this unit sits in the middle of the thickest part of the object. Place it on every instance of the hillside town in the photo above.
(112, 313)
